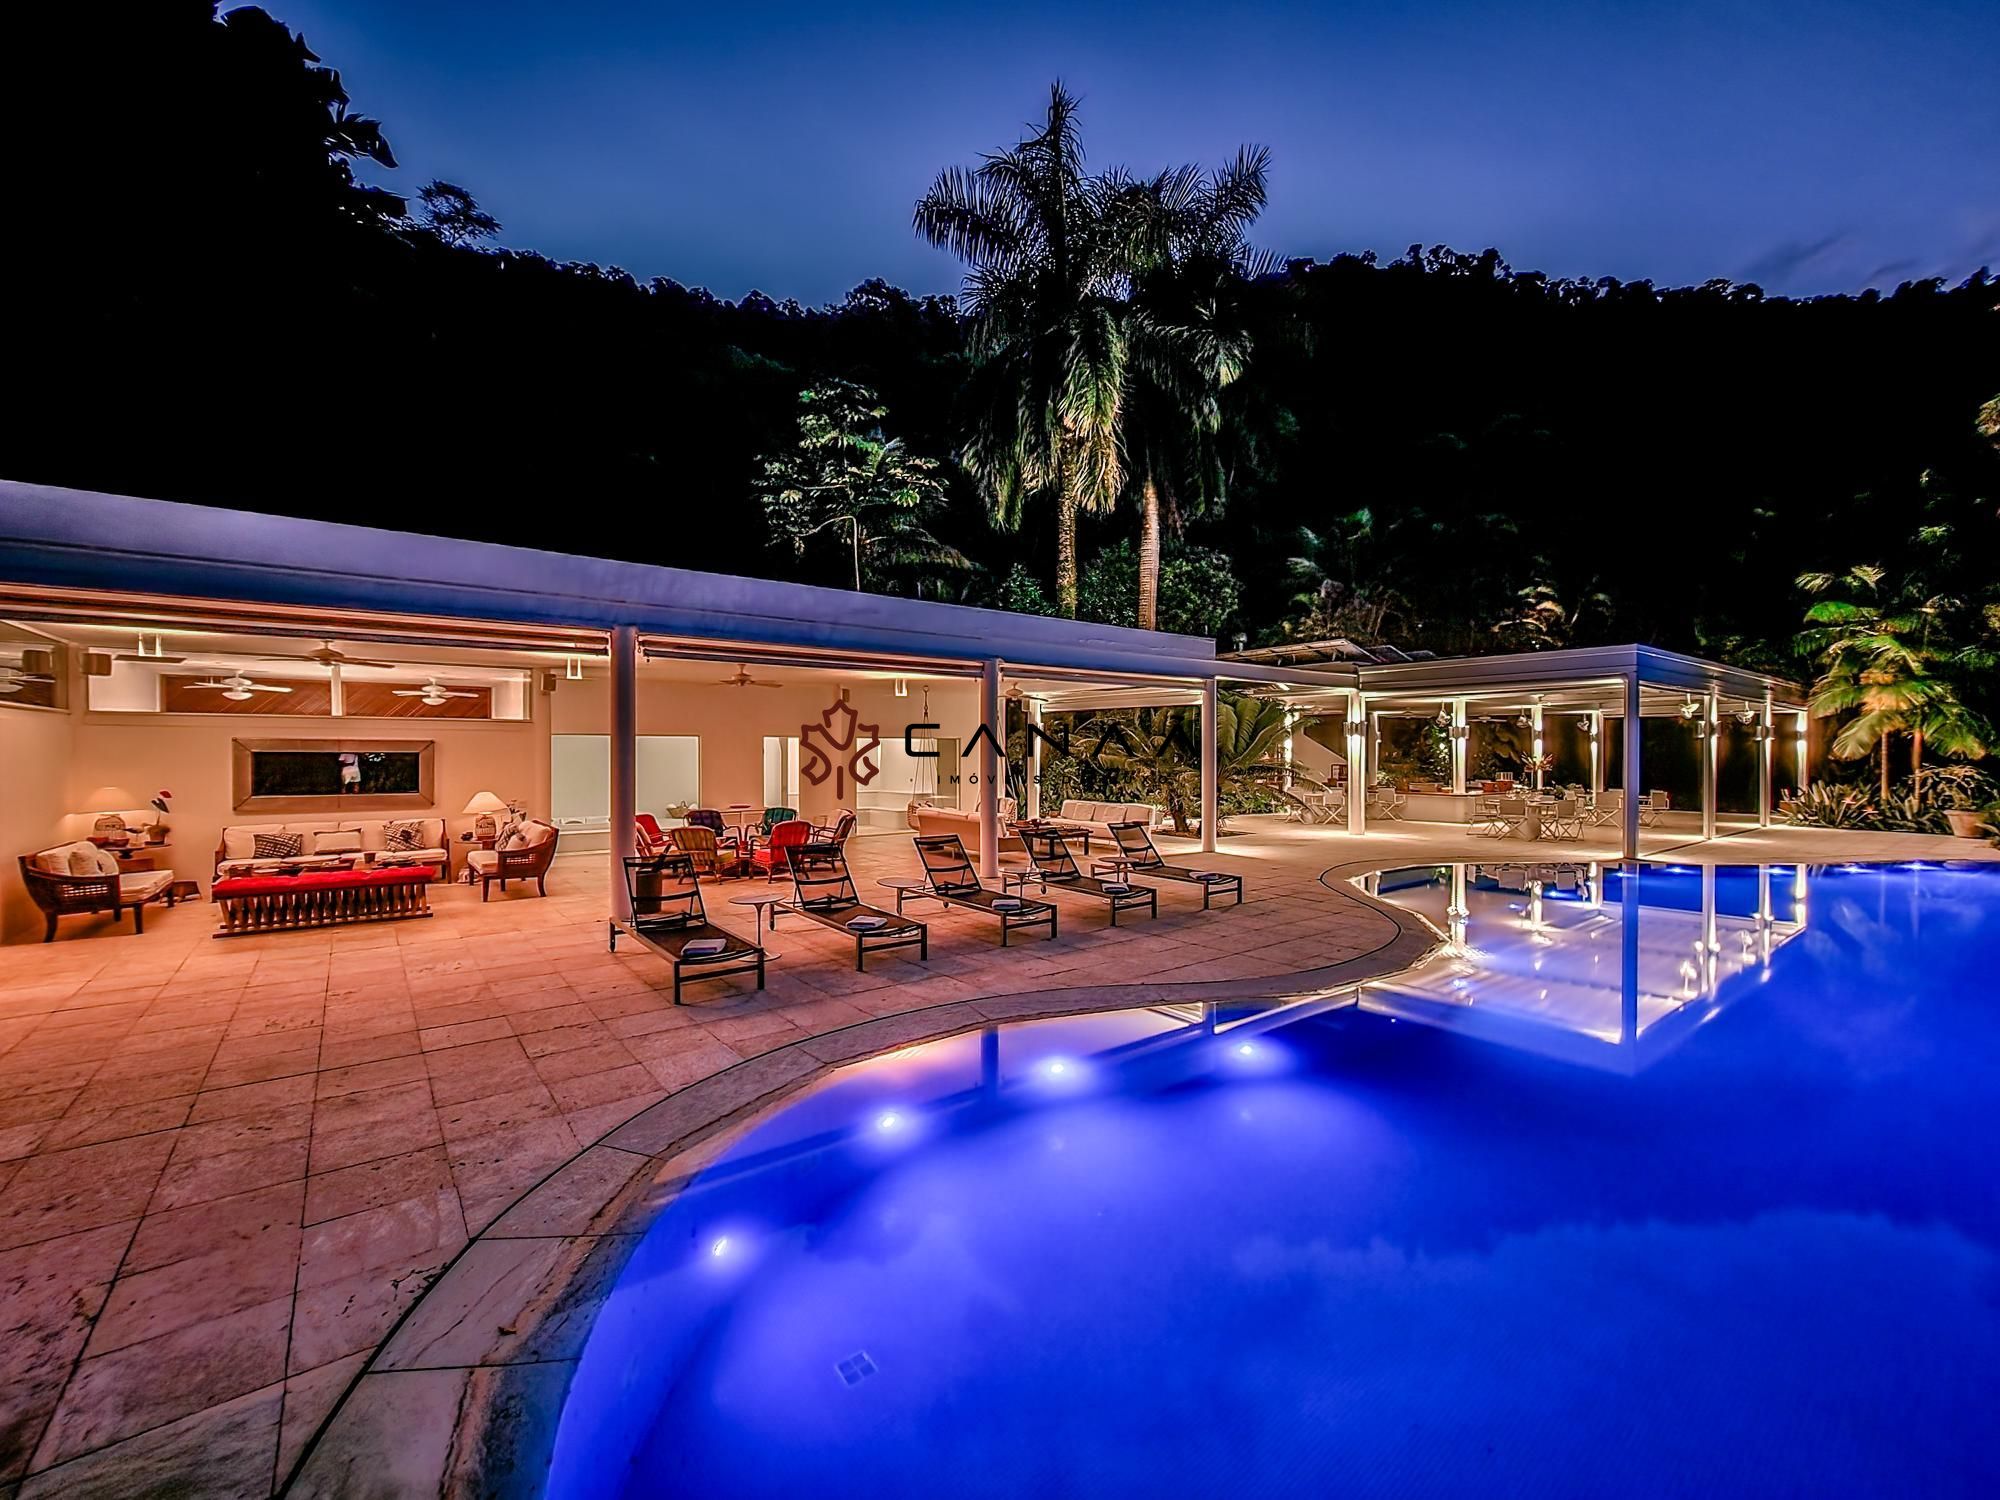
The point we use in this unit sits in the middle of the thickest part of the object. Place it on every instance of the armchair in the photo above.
(74, 895)
(528, 861)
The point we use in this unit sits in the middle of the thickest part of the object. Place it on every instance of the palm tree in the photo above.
(1189, 335)
(1885, 661)
(1047, 337)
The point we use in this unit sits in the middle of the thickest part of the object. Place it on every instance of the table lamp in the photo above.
(485, 804)
(108, 802)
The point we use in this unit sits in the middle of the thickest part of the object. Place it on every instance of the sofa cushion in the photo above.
(483, 862)
(535, 834)
(143, 885)
(277, 845)
(337, 841)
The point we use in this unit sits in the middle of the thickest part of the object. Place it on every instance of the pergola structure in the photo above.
(1626, 684)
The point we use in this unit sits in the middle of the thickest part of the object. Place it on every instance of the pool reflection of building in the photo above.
(1612, 966)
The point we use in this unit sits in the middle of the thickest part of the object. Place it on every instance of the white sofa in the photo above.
(344, 840)
(1099, 816)
(930, 821)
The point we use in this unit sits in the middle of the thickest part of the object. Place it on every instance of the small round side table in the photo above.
(763, 901)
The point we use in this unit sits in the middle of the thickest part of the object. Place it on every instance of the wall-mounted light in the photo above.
(1589, 725)
(1356, 728)
(573, 668)
(1461, 731)
(902, 687)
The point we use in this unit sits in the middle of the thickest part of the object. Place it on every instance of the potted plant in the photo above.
(161, 801)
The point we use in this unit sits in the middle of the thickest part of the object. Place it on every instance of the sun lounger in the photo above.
(952, 880)
(1055, 866)
(823, 892)
(1135, 843)
(668, 917)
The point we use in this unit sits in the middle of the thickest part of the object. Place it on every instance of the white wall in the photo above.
(35, 793)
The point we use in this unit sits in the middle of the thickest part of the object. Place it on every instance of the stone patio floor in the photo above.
(228, 1168)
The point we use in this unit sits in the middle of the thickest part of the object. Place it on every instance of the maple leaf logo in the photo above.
(840, 752)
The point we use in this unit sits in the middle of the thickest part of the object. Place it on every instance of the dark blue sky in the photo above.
(1808, 147)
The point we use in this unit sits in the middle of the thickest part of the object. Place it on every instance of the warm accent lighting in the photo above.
(109, 799)
(485, 805)
(902, 687)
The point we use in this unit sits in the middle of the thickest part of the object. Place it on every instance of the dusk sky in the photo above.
(1807, 147)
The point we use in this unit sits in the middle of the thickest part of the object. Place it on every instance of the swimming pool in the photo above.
(1687, 1188)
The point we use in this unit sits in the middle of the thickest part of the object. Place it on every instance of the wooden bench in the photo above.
(322, 898)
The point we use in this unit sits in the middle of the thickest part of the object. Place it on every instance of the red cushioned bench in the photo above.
(322, 898)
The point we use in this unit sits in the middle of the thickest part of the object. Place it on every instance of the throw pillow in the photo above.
(344, 841)
(403, 836)
(83, 858)
(509, 834)
(107, 862)
(279, 845)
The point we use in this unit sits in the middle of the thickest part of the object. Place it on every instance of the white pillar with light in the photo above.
(992, 716)
(1633, 777)
(1034, 807)
(1535, 729)
(1710, 749)
(624, 762)
(1805, 748)
(1767, 748)
(1211, 810)
(1461, 742)
(1357, 764)
(1594, 727)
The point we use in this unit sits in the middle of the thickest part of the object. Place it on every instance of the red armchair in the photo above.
(770, 855)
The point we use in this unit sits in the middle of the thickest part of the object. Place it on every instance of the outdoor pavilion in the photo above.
(1605, 688)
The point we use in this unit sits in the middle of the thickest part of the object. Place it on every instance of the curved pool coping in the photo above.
(466, 1392)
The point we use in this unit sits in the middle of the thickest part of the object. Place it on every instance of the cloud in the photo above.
(1780, 263)
(1889, 273)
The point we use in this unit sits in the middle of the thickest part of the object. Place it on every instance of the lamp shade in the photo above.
(485, 802)
(107, 799)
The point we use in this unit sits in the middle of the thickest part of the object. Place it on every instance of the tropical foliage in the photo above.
(1156, 751)
(845, 477)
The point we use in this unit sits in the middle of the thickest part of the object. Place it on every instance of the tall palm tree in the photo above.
(1885, 662)
(1044, 284)
(1189, 338)
(1159, 749)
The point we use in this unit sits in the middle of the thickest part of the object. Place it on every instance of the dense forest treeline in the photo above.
(1437, 450)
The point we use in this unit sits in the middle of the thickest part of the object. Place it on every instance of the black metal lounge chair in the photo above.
(1055, 866)
(823, 892)
(1135, 844)
(953, 881)
(668, 916)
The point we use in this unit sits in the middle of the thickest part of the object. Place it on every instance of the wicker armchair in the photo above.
(503, 865)
(76, 895)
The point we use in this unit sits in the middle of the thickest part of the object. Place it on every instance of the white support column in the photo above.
(624, 759)
(1461, 744)
(1535, 728)
(1034, 808)
(1358, 779)
(1711, 742)
(1767, 748)
(1210, 782)
(1805, 749)
(992, 714)
(1596, 754)
(1635, 781)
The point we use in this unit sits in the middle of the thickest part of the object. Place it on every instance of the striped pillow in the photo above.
(278, 845)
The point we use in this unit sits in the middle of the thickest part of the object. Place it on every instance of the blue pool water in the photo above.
(1670, 1186)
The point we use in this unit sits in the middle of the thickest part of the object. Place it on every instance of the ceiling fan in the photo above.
(237, 687)
(433, 693)
(330, 656)
(744, 679)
